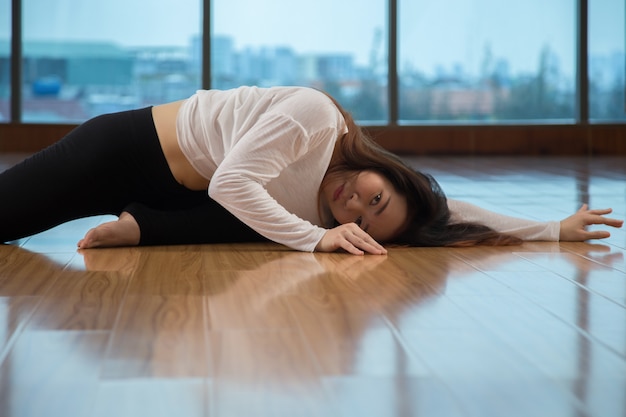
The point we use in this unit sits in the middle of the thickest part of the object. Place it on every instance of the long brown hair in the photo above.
(428, 223)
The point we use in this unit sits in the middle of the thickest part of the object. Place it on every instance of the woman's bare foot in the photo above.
(122, 232)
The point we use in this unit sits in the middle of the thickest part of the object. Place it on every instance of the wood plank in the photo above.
(486, 377)
(559, 351)
(157, 337)
(348, 336)
(392, 396)
(52, 373)
(174, 270)
(26, 273)
(81, 301)
(265, 373)
(247, 303)
(14, 314)
(600, 318)
(154, 397)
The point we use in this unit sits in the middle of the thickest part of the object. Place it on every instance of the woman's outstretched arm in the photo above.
(570, 229)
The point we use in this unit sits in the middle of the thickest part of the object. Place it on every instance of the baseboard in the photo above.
(417, 140)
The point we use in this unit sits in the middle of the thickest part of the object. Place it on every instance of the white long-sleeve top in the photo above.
(265, 152)
(461, 211)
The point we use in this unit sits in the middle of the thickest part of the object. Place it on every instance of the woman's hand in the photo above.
(574, 228)
(351, 238)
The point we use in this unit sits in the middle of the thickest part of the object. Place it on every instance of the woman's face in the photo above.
(368, 199)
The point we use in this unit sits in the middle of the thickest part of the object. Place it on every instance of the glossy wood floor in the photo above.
(257, 330)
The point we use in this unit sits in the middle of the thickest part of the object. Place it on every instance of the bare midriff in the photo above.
(164, 116)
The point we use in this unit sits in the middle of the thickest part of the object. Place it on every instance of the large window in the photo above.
(387, 61)
(83, 58)
(5, 63)
(338, 46)
(607, 34)
(487, 60)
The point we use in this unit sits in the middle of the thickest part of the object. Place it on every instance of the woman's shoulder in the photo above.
(309, 106)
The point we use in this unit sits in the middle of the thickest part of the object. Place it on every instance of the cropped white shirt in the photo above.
(265, 152)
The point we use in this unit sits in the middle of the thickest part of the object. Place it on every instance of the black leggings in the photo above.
(110, 164)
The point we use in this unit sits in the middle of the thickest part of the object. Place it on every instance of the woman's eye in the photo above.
(376, 199)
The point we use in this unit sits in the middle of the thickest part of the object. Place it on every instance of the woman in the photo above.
(286, 164)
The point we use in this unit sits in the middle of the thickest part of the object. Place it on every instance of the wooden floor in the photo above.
(256, 330)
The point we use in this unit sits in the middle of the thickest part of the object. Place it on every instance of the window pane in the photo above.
(5, 62)
(487, 60)
(607, 35)
(337, 46)
(85, 58)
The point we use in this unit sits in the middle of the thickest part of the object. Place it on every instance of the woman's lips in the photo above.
(338, 192)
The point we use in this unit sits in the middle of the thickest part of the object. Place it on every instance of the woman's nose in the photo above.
(353, 202)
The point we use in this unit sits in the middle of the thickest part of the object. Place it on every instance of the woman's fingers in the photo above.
(600, 212)
(574, 228)
(598, 219)
(357, 242)
(350, 238)
(599, 234)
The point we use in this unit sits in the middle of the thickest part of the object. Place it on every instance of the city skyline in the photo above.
(470, 47)
(423, 41)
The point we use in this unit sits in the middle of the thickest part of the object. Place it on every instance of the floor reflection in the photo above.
(537, 329)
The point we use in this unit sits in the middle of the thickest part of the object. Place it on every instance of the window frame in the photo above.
(582, 81)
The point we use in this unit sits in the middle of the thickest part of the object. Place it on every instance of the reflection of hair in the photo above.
(429, 216)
